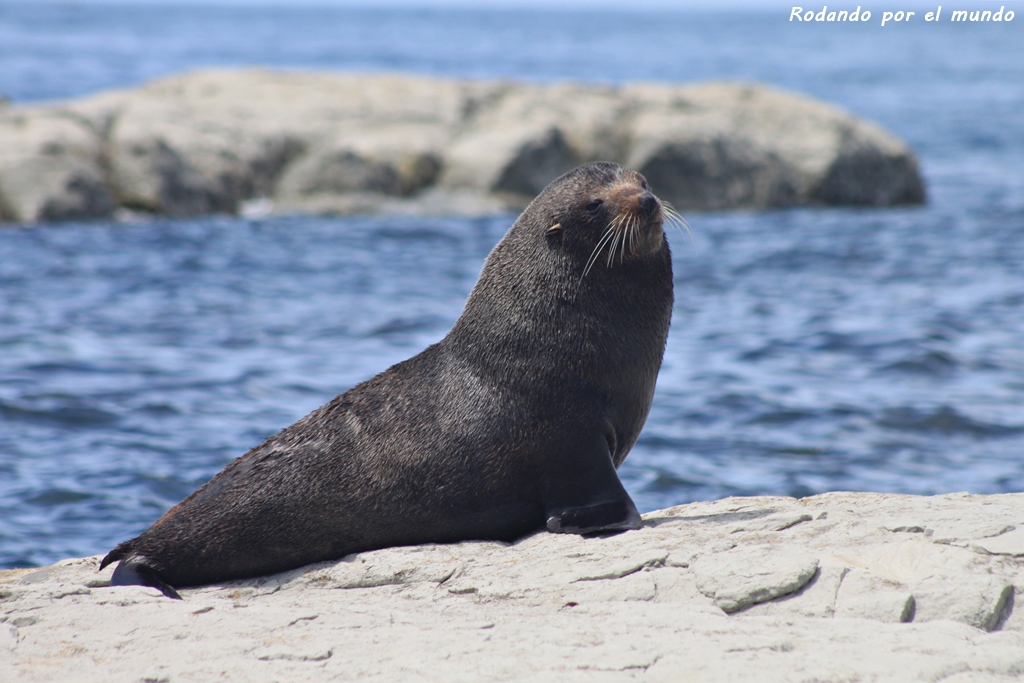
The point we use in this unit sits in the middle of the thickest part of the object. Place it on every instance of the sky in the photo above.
(480, 4)
(782, 5)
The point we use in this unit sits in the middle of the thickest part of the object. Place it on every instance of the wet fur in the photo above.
(515, 421)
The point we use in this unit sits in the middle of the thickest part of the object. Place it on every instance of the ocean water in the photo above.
(811, 349)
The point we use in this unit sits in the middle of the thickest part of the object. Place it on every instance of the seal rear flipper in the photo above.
(135, 572)
(118, 553)
(584, 495)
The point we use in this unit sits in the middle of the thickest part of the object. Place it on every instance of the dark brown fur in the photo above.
(516, 419)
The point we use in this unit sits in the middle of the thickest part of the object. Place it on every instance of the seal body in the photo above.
(516, 420)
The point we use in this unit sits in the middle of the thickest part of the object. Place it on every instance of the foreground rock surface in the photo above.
(837, 587)
(253, 141)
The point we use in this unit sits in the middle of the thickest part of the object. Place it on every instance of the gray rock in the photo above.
(515, 159)
(722, 146)
(214, 141)
(51, 167)
(191, 145)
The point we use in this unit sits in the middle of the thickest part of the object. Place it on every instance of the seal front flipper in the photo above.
(620, 515)
(134, 571)
(583, 494)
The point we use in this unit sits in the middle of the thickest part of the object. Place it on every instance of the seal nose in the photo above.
(648, 203)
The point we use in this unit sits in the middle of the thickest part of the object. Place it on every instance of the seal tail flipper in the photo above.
(135, 572)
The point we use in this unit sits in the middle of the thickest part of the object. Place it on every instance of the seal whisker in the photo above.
(675, 219)
(612, 247)
(627, 237)
(623, 234)
(616, 226)
(634, 228)
(597, 250)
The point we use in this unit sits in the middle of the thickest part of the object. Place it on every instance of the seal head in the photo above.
(515, 421)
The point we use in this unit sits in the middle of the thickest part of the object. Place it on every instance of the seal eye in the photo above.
(555, 230)
(594, 205)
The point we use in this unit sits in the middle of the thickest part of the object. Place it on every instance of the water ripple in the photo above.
(810, 350)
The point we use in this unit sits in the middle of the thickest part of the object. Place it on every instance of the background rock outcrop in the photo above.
(213, 141)
(836, 587)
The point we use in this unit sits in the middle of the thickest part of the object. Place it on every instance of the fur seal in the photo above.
(516, 420)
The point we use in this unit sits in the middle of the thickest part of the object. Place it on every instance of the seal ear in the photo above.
(554, 231)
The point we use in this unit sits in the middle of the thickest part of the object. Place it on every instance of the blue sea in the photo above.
(811, 349)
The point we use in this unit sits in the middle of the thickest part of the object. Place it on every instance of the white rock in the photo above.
(556, 607)
(816, 599)
(867, 596)
(1011, 543)
(976, 599)
(745, 576)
